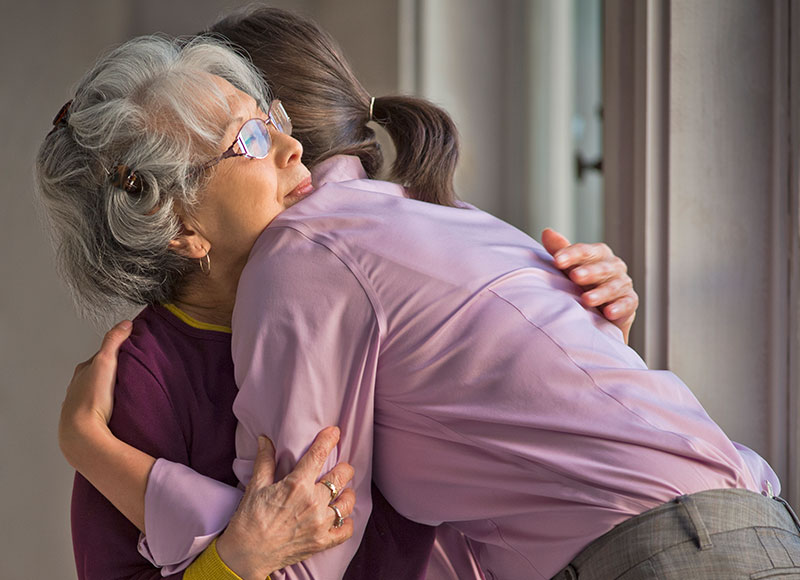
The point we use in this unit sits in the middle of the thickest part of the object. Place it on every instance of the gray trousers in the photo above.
(722, 534)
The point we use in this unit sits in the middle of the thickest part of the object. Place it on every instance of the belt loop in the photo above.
(689, 506)
(788, 509)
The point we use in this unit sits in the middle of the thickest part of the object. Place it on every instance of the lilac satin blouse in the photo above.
(468, 381)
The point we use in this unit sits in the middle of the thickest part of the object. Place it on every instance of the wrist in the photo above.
(235, 554)
(78, 436)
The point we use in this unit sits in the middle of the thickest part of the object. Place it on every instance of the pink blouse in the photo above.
(465, 375)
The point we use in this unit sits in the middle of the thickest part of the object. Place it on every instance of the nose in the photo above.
(288, 150)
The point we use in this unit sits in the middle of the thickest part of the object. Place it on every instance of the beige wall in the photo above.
(703, 203)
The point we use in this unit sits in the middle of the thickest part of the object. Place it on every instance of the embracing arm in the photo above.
(117, 469)
(305, 345)
(274, 525)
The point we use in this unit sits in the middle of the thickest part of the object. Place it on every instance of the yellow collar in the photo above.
(195, 323)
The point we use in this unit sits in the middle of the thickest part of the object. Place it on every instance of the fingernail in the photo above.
(561, 259)
(262, 442)
(591, 296)
(613, 310)
(580, 272)
(126, 325)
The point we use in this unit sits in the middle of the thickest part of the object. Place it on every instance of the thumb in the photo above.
(264, 465)
(553, 241)
(114, 338)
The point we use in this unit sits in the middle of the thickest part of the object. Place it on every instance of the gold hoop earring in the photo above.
(205, 263)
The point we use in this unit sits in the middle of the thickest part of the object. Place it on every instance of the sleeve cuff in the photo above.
(184, 512)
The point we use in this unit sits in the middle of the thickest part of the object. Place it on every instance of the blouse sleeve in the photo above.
(184, 512)
(104, 541)
(305, 347)
(764, 476)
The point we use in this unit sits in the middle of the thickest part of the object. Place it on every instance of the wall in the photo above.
(701, 160)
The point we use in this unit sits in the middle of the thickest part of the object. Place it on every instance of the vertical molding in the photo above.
(618, 130)
(651, 174)
(409, 49)
(550, 166)
(516, 114)
(780, 263)
(636, 153)
(792, 485)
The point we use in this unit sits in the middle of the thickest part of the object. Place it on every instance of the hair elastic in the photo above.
(126, 178)
(60, 120)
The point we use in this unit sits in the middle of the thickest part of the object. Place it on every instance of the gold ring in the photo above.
(332, 487)
(339, 521)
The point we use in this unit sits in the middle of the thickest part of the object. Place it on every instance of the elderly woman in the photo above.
(128, 235)
(141, 180)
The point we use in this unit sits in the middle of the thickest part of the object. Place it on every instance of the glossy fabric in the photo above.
(447, 340)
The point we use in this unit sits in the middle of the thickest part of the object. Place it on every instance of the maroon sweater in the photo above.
(173, 399)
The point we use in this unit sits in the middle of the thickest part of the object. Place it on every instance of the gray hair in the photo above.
(152, 106)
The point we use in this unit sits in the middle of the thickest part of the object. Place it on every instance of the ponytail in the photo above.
(426, 141)
(330, 108)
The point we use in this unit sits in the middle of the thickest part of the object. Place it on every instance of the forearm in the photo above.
(116, 469)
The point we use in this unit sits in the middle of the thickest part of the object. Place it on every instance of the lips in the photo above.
(302, 189)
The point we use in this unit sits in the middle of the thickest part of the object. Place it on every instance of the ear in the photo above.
(190, 243)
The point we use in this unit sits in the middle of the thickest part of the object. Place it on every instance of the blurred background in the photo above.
(667, 127)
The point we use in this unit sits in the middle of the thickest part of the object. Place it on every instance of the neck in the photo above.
(210, 298)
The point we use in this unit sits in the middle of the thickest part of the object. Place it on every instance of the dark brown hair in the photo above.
(329, 107)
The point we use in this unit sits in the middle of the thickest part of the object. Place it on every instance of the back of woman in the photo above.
(495, 392)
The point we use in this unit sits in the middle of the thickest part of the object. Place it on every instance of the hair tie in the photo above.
(371, 104)
(126, 178)
(60, 120)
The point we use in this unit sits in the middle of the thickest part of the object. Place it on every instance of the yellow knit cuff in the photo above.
(209, 566)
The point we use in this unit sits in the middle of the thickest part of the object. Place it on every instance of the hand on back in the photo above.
(602, 275)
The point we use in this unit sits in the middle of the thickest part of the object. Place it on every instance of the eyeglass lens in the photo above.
(254, 138)
(280, 117)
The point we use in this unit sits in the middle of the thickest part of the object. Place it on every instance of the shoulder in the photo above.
(154, 362)
(293, 274)
(147, 412)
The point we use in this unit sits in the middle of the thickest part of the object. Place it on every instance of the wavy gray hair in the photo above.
(152, 106)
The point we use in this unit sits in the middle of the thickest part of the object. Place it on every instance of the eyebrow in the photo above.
(256, 113)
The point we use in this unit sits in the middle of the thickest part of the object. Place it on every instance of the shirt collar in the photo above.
(337, 169)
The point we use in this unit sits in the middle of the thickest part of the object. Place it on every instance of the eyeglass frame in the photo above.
(231, 152)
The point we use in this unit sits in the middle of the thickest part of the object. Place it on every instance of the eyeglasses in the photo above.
(253, 140)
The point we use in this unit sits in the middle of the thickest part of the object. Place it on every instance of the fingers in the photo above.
(118, 334)
(553, 241)
(345, 504)
(623, 308)
(114, 338)
(599, 272)
(579, 255)
(616, 288)
(264, 464)
(310, 464)
(339, 476)
(341, 534)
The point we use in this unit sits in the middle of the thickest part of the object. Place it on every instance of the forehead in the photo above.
(241, 105)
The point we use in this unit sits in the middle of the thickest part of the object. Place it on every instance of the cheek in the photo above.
(240, 205)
